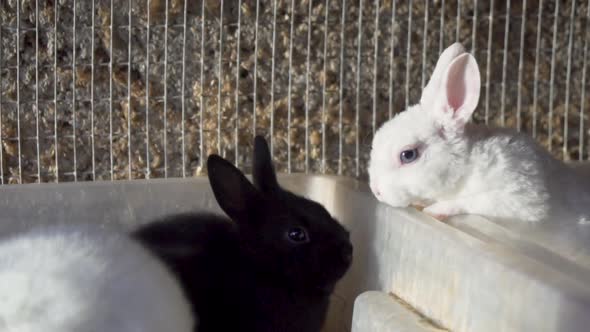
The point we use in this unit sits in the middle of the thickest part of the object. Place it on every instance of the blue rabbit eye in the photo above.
(297, 235)
(408, 156)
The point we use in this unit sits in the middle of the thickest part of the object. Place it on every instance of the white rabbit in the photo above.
(430, 155)
(86, 279)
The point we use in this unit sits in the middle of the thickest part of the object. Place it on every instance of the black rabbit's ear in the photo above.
(233, 192)
(264, 174)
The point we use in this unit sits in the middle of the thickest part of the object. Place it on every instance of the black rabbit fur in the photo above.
(272, 267)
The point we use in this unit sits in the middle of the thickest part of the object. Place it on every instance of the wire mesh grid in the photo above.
(97, 89)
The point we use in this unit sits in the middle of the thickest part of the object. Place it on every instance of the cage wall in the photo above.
(97, 89)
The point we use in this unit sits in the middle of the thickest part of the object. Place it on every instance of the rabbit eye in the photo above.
(408, 156)
(297, 235)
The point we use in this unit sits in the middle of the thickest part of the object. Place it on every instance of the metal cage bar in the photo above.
(55, 105)
(325, 78)
(307, 73)
(408, 48)
(272, 76)
(92, 55)
(75, 171)
(147, 92)
(37, 90)
(583, 85)
(424, 43)
(165, 131)
(1, 100)
(341, 88)
(441, 35)
(392, 57)
(552, 78)
(220, 77)
(489, 62)
(458, 29)
(129, 104)
(504, 65)
(537, 57)
(183, 89)
(237, 101)
(111, 31)
(310, 97)
(358, 93)
(255, 70)
(520, 68)
(375, 72)
(474, 28)
(289, 86)
(18, 111)
(202, 87)
(568, 80)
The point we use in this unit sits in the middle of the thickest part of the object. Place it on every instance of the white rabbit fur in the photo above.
(86, 279)
(463, 168)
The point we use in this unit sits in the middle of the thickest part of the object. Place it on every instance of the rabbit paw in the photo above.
(442, 210)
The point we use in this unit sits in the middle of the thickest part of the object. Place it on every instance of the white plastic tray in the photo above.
(466, 275)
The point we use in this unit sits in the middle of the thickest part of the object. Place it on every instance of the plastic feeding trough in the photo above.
(467, 275)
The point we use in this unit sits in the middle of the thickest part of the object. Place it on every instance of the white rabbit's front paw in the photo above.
(443, 210)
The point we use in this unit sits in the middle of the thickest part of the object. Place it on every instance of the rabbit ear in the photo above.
(459, 92)
(265, 178)
(447, 56)
(233, 192)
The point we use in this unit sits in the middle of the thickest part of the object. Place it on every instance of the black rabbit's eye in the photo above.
(297, 235)
(408, 156)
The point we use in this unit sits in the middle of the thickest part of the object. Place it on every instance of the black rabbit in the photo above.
(272, 267)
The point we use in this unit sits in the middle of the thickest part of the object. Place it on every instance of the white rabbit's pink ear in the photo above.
(459, 91)
(446, 57)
